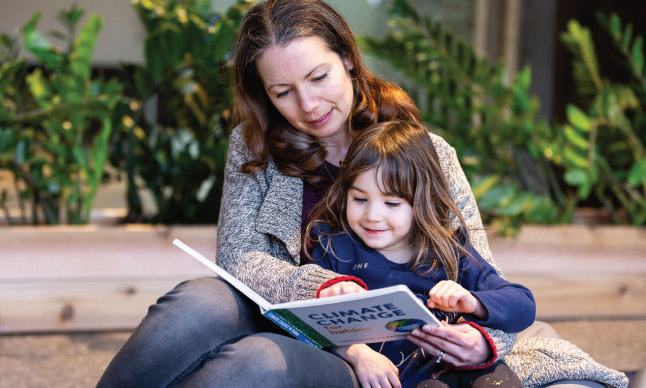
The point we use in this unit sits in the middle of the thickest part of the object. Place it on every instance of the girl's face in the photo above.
(382, 222)
(310, 86)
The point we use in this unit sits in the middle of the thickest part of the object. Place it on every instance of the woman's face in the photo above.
(310, 86)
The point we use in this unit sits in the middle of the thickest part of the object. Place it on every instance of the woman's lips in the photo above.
(322, 121)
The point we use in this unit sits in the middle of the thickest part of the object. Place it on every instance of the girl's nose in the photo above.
(372, 213)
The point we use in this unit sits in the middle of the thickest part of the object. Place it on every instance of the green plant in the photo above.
(490, 120)
(602, 147)
(178, 151)
(55, 121)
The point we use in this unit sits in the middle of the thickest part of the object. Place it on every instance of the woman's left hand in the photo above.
(463, 345)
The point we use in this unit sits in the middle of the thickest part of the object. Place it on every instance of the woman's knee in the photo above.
(202, 302)
(278, 361)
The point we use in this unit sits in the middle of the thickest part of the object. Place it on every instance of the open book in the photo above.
(384, 314)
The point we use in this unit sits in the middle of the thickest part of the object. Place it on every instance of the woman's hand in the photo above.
(341, 288)
(463, 345)
(450, 296)
(373, 370)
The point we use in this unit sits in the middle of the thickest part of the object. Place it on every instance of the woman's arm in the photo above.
(259, 230)
(465, 201)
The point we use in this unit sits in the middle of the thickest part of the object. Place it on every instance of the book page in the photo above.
(251, 294)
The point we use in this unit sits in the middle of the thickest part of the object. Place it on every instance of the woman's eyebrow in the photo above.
(306, 76)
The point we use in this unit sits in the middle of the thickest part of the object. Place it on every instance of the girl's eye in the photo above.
(359, 199)
(392, 204)
(320, 78)
(281, 94)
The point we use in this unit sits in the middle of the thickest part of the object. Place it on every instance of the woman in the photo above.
(301, 92)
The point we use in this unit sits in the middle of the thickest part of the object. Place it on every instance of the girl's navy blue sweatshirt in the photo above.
(510, 306)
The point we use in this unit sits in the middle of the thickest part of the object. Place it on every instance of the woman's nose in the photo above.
(309, 101)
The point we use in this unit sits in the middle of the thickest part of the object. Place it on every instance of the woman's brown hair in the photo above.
(404, 156)
(265, 131)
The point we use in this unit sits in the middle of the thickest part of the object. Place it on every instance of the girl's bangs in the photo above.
(396, 177)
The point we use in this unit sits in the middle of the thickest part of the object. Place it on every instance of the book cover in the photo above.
(384, 314)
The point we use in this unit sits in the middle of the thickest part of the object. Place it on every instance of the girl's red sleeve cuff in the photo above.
(494, 351)
(341, 279)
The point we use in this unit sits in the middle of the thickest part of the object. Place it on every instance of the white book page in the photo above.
(251, 294)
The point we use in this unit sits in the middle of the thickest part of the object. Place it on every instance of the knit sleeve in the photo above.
(258, 238)
(465, 201)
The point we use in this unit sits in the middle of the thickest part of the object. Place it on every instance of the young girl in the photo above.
(389, 219)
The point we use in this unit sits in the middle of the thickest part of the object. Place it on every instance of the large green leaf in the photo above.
(576, 177)
(6, 140)
(637, 174)
(40, 47)
(637, 55)
(585, 65)
(81, 56)
(577, 117)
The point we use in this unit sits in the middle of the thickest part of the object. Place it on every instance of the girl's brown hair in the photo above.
(265, 131)
(404, 156)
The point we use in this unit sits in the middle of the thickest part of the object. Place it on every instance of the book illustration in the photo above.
(384, 314)
(405, 325)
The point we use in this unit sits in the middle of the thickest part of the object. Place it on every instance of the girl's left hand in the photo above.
(463, 345)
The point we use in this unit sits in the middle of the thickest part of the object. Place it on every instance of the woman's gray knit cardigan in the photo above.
(259, 240)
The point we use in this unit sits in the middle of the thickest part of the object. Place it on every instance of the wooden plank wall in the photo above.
(92, 278)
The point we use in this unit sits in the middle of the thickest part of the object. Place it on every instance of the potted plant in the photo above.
(489, 119)
(59, 126)
(601, 146)
(173, 143)
(55, 122)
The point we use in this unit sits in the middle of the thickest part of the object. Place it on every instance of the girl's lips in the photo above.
(372, 231)
(322, 121)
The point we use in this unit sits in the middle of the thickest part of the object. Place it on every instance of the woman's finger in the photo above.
(463, 345)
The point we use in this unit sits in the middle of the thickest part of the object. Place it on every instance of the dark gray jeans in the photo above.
(203, 333)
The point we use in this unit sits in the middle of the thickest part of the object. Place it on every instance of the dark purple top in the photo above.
(313, 194)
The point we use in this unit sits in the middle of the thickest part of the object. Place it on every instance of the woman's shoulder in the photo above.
(240, 152)
(236, 137)
(441, 145)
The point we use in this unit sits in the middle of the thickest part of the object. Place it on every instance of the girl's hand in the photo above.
(449, 296)
(463, 345)
(341, 288)
(373, 370)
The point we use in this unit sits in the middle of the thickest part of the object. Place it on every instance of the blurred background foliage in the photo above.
(55, 121)
(601, 146)
(177, 117)
(522, 169)
(163, 126)
(489, 119)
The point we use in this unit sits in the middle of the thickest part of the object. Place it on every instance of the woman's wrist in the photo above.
(492, 351)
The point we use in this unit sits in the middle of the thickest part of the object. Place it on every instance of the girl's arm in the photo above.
(510, 306)
(465, 201)
(372, 369)
(259, 230)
